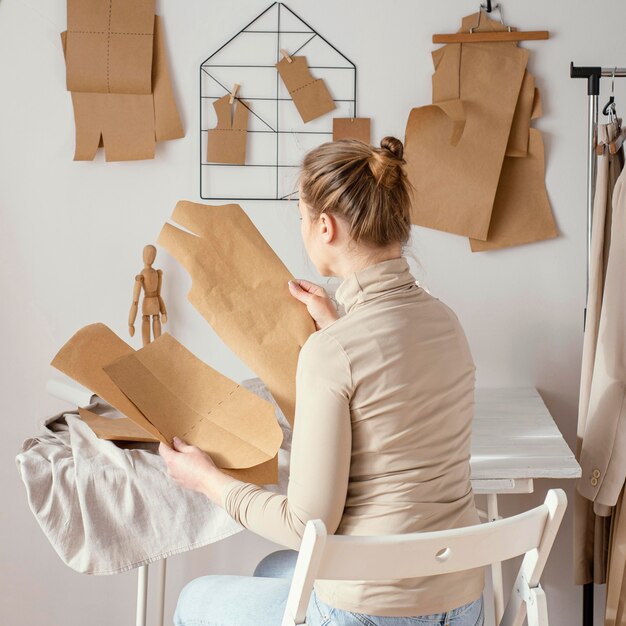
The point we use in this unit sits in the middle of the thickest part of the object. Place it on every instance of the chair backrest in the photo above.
(350, 557)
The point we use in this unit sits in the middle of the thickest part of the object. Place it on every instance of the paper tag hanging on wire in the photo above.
(352, 128)
(226, 143)
(310, 95)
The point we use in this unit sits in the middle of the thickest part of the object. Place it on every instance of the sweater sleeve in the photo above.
(320, 452)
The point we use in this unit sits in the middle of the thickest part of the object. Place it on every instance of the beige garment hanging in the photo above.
(603, 450)
(591, 532)
(615, 611)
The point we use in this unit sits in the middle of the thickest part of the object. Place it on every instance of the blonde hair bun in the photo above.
(393, 145)
(386, 162)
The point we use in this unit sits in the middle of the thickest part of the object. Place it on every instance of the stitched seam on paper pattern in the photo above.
(220, 402)
(109, 44)
(305, 86)
(104, 32)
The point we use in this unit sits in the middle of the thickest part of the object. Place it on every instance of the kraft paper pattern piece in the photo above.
(352, 128)
(226, 143)
(517, 145)
(114, 429)
(128, 125)
(310, 95)
(83, 358)
(456, 183)
(521, 212)
(184, 397)
(165, 390)
(109, 46)
(239, 285)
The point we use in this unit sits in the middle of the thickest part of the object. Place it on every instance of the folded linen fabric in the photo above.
(107, 508)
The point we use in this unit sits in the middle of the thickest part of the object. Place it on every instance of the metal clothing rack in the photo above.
(593, 74)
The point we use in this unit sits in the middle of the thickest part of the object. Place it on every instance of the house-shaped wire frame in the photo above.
(277, 136)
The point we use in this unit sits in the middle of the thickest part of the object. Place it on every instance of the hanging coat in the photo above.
(615, 611)
(603, 375)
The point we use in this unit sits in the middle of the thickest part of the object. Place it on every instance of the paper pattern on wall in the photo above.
(352, 128)
(239, 285)
(517, 145)
(226, 143)
(521, 212)
(128, 125)
(109, 46)
(456, 184)
(495, 196)
(309, 94)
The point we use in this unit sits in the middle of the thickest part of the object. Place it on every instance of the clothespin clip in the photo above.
(286, 55)
(233, 93)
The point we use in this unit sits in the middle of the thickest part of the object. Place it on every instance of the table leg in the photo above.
(161, 591)
(496, 568)
(142, 595)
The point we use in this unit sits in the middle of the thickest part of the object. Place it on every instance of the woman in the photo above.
(384, 404)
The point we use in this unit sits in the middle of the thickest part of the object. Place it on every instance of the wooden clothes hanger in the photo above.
(474, 36)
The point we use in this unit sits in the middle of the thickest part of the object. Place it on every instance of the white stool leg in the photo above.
(160, 602)
(142, 595)
(496, 568)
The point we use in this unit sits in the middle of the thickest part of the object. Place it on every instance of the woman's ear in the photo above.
(327, 227)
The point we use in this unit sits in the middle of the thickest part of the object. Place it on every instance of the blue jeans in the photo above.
(259, 600)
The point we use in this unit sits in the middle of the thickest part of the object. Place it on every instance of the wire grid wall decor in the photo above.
(278, 138)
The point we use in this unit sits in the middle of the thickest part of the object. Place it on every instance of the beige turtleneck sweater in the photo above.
(381, 441)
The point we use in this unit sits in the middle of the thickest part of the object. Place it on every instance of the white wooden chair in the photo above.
(344, 557)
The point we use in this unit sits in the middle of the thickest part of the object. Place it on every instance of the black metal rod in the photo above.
(588, 604)
(593, 74)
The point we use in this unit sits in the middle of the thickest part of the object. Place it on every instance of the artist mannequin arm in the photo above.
(162, 308)
(135, 305)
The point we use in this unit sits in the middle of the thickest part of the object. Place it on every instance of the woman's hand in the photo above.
(321, 308)
(194, 469)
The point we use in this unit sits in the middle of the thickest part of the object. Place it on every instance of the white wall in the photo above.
(72, 234)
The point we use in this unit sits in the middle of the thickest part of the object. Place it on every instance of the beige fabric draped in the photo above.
(599, 525)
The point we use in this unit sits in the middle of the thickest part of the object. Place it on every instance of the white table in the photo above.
(514, 441)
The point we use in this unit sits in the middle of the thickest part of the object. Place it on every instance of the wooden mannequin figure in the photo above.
(153, 305)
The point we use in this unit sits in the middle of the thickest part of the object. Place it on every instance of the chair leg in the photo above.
(496, 568)
(537, 607)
